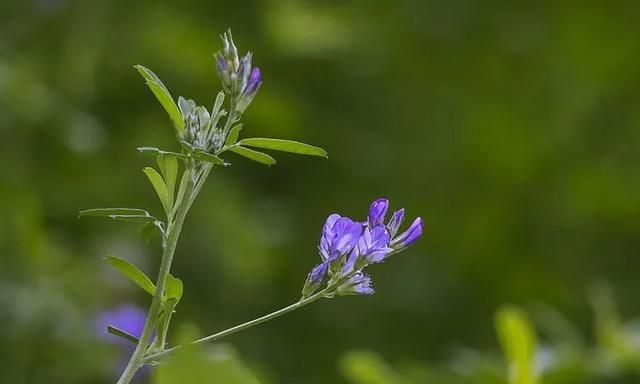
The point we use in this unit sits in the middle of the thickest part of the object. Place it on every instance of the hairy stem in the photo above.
(243, 326)
(172, 234)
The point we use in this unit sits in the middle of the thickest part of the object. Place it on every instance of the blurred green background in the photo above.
(512, 129)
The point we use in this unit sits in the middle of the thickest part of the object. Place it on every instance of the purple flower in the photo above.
(395, 222)
(130, 319)
(373, 245)
(339, 236)
(409, 236)
(314, 280)
(377, 211)
(254, 82)
(249, 91)
(358, 284)
(365, 243)
(239, 80)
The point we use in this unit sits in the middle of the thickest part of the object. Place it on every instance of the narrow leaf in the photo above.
(518, 340)
(158, 151)
(123, 334)
(174, 288)
(164, 97)
(285, 146)
(254, 155)
(160, 187)
(187, 146)
(232, 138)
(132, 273)
(124, 214)
(215, 111)
(208, 157)
(169, 168)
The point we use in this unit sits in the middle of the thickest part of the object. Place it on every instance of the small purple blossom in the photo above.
(314, 280)
(409, 236)
(339, 236)
(249, 91)
(358, 284)
(377, 211)
(395, 222)
(373, 245)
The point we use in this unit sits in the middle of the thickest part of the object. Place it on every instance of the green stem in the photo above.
(172, 235)
(243, 326)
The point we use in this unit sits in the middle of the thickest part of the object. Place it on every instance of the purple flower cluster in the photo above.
(348, 246)
(239, 79)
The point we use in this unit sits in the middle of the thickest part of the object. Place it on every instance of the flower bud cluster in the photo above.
(239, 80)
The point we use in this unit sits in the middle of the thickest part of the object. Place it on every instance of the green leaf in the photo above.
(160, 187)
(208, 157)
(232, 138)
(158, 151)
(132, 273)
(518, 340)
(254, 155)
(174, 288)
(186, 146)
(125, 214)
(164, 97)
(285, 146)
(215, 111)
(169, 168)
(364, 367)
(123, 334)
(218, 364)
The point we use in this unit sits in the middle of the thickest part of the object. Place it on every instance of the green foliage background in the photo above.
(513, 129)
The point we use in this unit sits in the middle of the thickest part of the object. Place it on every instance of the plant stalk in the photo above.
(172, 235)
(241, 327)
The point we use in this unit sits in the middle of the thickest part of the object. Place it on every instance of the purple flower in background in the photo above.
(128, 318)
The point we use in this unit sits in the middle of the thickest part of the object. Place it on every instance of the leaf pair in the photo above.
(240, 147)
(173, 286)
(172, 294)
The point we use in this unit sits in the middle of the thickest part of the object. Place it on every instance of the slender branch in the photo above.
(172, 235)
(243, 326)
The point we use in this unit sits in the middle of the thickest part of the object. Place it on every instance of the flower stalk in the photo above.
(155, 357)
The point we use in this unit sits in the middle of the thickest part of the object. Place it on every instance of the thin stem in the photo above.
(243, 326)
(172, 234)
